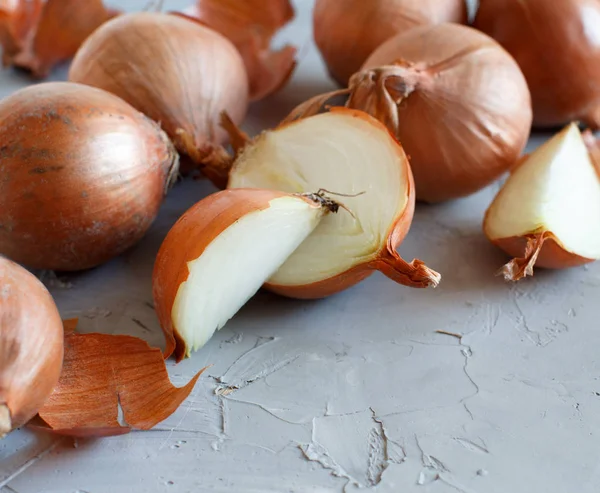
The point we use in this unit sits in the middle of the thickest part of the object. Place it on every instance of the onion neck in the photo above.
(414, 274)
(5, 421)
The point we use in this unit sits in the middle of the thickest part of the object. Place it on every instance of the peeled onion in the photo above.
(348, 31)
(547, 214)
(556, 45)
(174, 70)
(31, 345)
(218, 255)
(351, 154)
(454, 99)
(83, 175)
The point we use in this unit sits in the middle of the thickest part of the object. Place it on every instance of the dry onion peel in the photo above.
(250, 26)
(455, 100)
(174, 70)
(110, 384)
(348, 31)
(346, 152)
(219, 254)
(556, 45)
(17, 19)
(83, 175)
(56, 32)
(547, 214)
(31, 345)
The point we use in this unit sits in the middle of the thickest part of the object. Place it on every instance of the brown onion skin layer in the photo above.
(186, 241)
(31, 343)
(174, 70)
(348, 31)
(84, 175)
(551, 256)
(556, 49)
(447, 71)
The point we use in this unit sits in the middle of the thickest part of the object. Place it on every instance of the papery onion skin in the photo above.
(57, 32)
(83, 176)
(17, 18)
(187, 240)
(174, 70)
(463, 109)
(556, 45)
(348, 31)
(31, 345)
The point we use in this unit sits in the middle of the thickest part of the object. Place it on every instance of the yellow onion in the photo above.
(174, 70)
(17, 18)
(83, 175)
(454, 99)
(348, 31)
(353, 157)
(547, 214)
(556, 45)
(31, 345)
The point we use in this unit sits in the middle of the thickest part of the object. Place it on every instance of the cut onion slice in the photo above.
(548, 212)
(351, 154)
(219, 254)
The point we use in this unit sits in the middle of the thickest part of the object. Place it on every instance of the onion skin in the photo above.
(188, 239)
(348, 31)
(31, 345)
(556, 45)
(174, 70)
(539, 249)
(250, 25)
(56, 32)
(17, 18)
(84, 175)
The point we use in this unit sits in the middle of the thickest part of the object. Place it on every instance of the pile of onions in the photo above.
(31, 345)
(174, 70)
(453, 97)
(556, 45)
(42, 34)
(83, 176)
(250, 25)
(348, 31)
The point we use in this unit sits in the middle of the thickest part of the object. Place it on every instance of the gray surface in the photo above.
(356, 390)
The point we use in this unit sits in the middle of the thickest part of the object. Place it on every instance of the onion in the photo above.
(31, 345)
(219, 254)
(83, 176)
(109, 385)
(250, 25)
(47, 33)
(348, 31)
(174, 70)
(548, 212)
(556, 45)
(17, 17)
(346, 152)
(453, 97)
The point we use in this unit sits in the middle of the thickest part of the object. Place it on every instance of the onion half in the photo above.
(349, 153)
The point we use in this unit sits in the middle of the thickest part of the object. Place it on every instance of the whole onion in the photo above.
(82, 175)
(31, 345)
(348, 31)
(556, 45)
(174, 70)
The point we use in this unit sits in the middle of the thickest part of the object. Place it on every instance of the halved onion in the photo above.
(219, 254)
(548, 212)
(349, 153)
